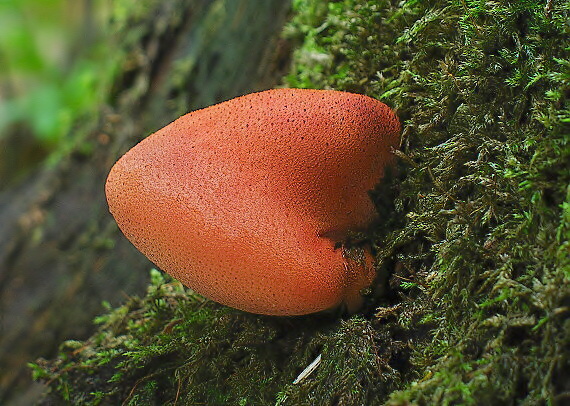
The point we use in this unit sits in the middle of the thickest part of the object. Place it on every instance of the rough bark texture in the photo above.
(61, 254)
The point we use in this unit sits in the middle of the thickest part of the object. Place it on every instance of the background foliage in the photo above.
(473, 297)
(55, 70)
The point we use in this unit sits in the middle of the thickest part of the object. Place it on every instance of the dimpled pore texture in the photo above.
(244, 201)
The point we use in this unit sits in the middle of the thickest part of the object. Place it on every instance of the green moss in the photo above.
(476, 251)
(174, 346)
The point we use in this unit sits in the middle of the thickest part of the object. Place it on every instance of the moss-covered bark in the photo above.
(474, 249)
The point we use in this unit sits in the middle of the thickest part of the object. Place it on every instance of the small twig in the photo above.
(308, 371)
(178, 391)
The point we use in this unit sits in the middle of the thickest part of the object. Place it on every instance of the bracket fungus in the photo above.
(244, 201)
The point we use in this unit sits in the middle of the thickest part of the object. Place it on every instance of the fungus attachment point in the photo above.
(239, 201)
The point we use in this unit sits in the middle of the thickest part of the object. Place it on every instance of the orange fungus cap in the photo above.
(239, 200)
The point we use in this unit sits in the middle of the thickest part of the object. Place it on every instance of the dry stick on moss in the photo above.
(178, 391)
(308, 371)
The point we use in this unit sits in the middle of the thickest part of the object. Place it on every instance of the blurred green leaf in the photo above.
(49, 76)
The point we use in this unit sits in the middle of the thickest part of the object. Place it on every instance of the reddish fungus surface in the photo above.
(244, 201)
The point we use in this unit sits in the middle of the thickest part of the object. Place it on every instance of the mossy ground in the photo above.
(474, 254)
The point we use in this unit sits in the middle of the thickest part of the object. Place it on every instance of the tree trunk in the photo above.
(61, 254)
